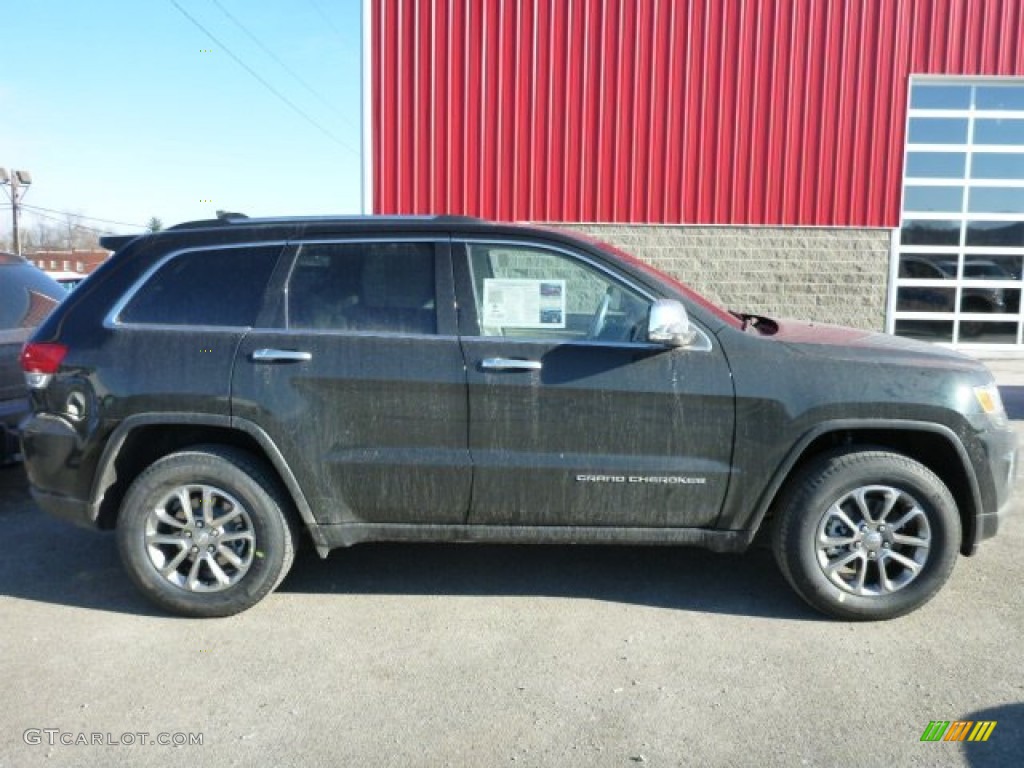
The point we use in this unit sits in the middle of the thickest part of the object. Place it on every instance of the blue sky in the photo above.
(119, 112)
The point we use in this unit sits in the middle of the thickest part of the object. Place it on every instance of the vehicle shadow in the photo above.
(55, 562)
(51, 561)
(665, 577)
(1005, 744)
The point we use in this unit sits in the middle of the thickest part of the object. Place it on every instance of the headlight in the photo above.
(991, 403)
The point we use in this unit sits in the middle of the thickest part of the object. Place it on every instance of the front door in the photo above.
(575, 420)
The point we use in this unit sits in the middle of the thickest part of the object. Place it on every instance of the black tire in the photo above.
(252, 549)
(878, 569)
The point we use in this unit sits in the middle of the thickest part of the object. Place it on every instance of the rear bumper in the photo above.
(74, 511)
(11, 414)
(53, 453)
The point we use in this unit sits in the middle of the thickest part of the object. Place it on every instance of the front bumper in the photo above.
(1000, 449)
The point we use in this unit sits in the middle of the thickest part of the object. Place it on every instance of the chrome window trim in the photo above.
(329, 239)
(349, 333)
(112, 320)
(703, 343)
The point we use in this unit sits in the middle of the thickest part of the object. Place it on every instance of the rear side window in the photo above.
(370, 287)
(217, 286)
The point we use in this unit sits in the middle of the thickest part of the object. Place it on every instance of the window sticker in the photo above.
(524, 303)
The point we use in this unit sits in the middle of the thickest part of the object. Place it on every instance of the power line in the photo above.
(325, 17)
(78, 226)
(81, 216)
(263, 82)
(329, 104)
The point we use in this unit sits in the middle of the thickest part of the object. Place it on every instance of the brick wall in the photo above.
(84, 262)
(813, 273)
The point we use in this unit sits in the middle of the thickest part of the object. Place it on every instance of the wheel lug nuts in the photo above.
(194, 550)
(881, 528)
(211, 549)
(199, 524)
(188, 534)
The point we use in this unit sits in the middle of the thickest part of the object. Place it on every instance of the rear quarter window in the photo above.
(216, 286)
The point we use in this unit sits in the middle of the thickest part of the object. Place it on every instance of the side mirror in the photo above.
(669, 324)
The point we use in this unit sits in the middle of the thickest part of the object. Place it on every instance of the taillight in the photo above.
(40, 361)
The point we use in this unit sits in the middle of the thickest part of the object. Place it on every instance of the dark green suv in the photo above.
(219, 389)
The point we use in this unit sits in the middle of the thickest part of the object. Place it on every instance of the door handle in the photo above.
(508, 364)
(280, 356)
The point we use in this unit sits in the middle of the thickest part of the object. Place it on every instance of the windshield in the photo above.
(726, 317)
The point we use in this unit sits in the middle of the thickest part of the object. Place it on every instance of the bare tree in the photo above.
(65, 235)
(154, 224)
(78, 236)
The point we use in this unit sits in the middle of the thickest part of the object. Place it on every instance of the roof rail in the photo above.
(198, 224)
(227, 218)
(460, 219)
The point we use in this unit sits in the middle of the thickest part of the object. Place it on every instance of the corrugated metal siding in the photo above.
(684, 111)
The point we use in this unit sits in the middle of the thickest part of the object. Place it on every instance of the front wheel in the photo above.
(866, 534)
(203, 532)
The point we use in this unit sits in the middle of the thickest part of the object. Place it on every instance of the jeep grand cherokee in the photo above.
(220, 388)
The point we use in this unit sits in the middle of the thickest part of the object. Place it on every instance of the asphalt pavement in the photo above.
(434, 655)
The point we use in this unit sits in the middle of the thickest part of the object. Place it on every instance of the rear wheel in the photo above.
(866, 534)
(203, 532)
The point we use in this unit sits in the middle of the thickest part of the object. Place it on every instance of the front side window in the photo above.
(368, 286)
(528, 292)
(209, 287)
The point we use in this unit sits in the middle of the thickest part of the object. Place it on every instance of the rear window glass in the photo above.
(373, 287)
(223, 286)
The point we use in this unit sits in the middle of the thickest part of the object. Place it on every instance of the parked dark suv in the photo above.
(217, 389)
(27, 296)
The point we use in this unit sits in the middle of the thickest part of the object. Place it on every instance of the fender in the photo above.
(784, 470)
(106, 473)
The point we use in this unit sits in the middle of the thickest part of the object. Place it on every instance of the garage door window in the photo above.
(961, 241)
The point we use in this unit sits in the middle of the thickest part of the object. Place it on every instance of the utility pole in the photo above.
(19, 182)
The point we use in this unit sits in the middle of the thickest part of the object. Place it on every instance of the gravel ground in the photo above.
(490, 656)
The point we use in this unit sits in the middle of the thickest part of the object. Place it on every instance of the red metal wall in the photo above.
(685, 111)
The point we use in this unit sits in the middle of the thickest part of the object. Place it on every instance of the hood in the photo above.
(835, 341)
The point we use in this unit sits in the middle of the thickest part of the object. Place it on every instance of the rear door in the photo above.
(574, 419)
(358, 378)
